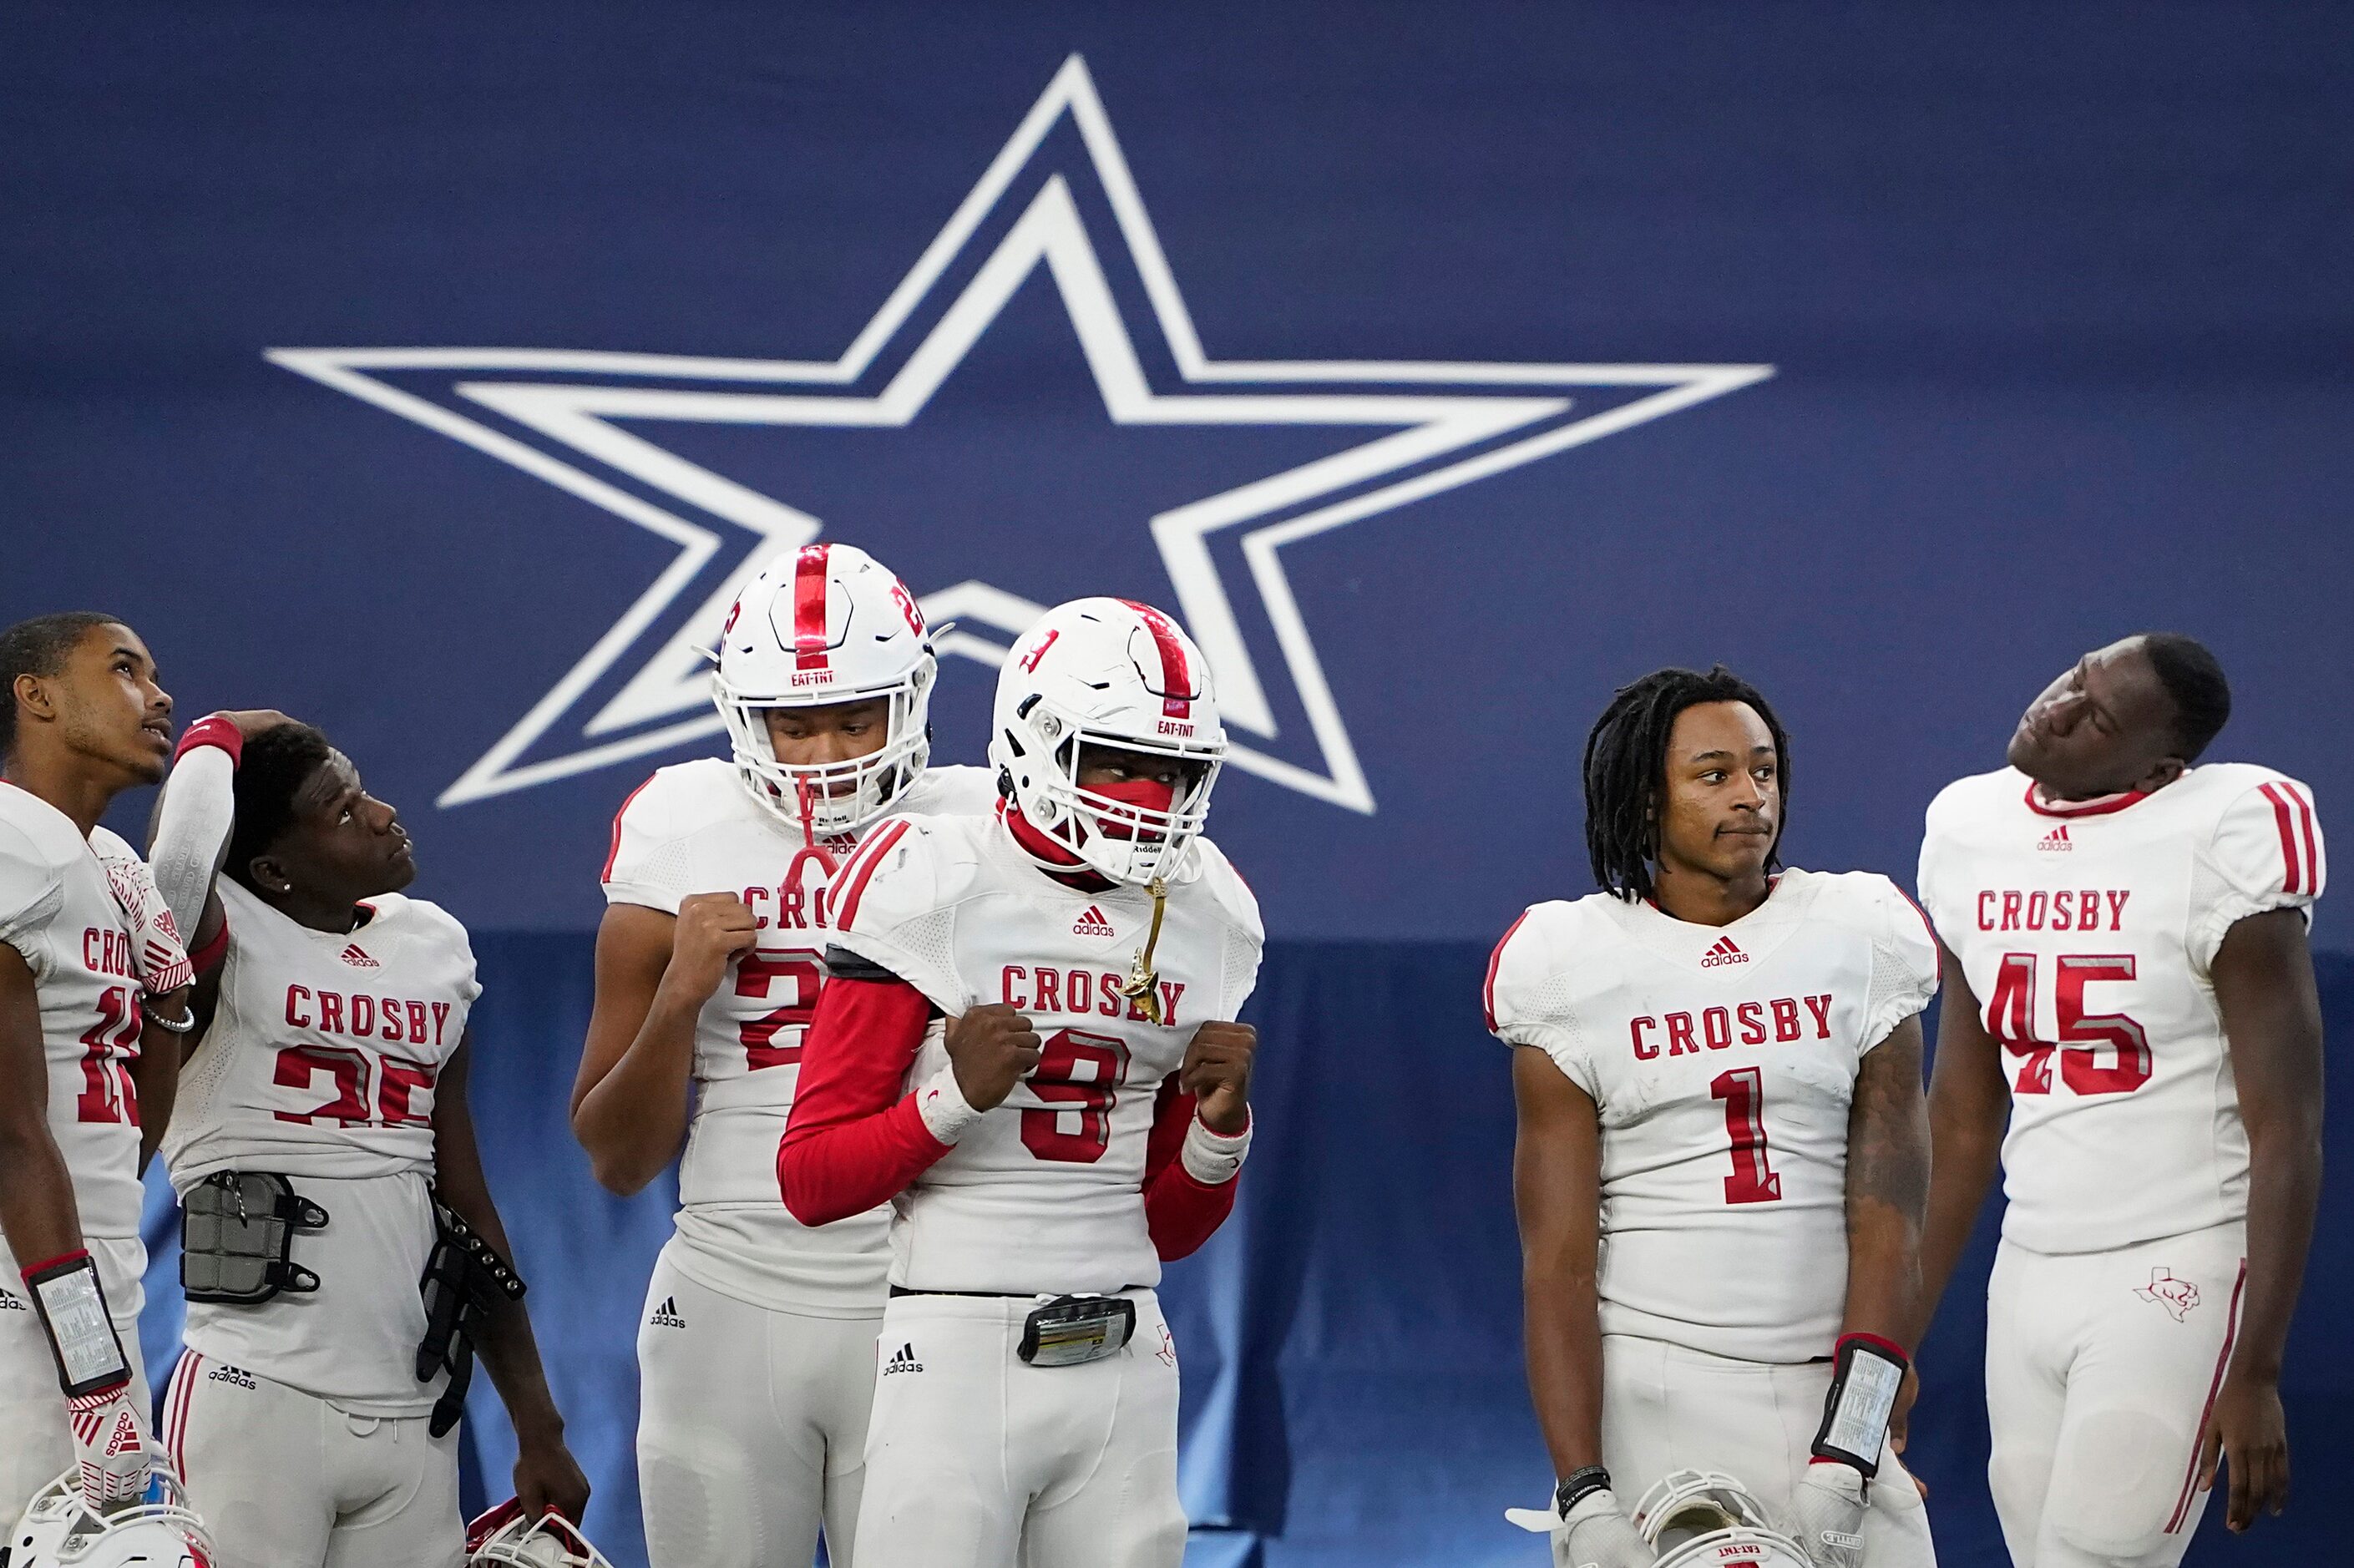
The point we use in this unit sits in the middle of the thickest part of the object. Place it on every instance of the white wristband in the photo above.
(1211, 1158)
(947, 1117)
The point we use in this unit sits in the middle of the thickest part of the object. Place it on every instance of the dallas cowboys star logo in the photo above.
(565, 417)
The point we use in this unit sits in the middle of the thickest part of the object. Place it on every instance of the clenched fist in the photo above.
(1216, 1072)
(712, 927)
(991, 1046)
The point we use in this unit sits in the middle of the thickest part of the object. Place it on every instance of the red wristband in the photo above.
(213, 729)
(64, 1260)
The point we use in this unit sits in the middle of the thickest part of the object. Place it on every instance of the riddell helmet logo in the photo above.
(1725, 952)
(2177, 1296)
(2056, 840)
(1091, 923)
(357, 956)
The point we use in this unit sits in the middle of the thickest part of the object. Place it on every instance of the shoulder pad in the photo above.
(1225, 884)
(954, 792)
(112, 845)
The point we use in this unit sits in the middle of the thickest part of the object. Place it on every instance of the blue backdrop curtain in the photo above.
(1351, 1341)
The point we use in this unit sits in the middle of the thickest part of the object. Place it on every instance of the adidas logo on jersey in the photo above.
(903, 1360)
(1091, 923)
(235, 1377)
(2056, 840)
(355, 956)
(11, 1302)
(666, 1315)
(1725, 952)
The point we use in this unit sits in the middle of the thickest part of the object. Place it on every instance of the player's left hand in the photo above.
(547, 1478)
(2247, 1432)
(1216, 1072)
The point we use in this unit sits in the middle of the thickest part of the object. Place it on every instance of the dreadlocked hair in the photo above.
(39, 647)
(2202, 697)
(273, 767)
(1627, 762)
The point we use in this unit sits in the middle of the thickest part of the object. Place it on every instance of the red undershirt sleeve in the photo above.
(1181, 1212)
(855, 1139)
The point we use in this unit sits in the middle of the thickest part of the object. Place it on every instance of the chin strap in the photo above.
(1055, 859)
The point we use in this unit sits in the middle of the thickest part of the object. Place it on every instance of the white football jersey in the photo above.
(2087, 932)
(57, 911)
(1045, 1192)
(1723, 1061)
(694, 828)
(321, 1065)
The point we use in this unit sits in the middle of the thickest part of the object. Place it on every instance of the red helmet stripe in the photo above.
(1176, 675)
(809, 608)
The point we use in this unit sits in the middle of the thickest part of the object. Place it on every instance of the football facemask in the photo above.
(1703, 1519)
(60, 1530)
(505, 1538)
(1106, 672)
(823, 626)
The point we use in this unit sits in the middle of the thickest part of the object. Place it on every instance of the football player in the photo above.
(325, 1164)
(755, 1353)
(1058, 983)
(2128, 981)
(1722, 1150)
(92, 977)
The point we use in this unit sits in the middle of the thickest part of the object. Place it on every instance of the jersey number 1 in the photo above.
(108, 1093)
(1753, 1181)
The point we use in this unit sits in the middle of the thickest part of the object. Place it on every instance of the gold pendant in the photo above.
(1143, 987)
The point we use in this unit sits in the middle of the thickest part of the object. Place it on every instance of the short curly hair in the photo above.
(271, 770)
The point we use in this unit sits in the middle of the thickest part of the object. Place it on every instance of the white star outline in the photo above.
(1426, 456)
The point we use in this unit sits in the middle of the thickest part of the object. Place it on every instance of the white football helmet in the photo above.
(1705, 1519)
(826, 624)
(1107, 671)
(60, 1530)
(505, 1538)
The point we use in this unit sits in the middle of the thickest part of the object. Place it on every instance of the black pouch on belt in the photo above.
(237, 1238)
(1071, 1330)
(465, 1278)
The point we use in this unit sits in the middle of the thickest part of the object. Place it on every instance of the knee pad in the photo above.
(2114, 1481)
(699, 1503)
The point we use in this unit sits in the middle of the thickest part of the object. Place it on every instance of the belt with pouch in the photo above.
(1061, 1330)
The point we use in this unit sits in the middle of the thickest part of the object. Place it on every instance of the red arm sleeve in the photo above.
(1180, 1211)
(853, 1140)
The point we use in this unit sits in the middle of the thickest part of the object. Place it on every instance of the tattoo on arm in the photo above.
(1888, 1147)
(1887, 1188)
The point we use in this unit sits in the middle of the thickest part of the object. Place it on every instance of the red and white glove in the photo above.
(158, 952)
(109, 1430)
(110, 1447)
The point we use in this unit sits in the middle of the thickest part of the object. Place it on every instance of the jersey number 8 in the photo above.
(1078, 1076)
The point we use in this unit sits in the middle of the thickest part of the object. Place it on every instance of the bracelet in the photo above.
(180, 1026)
(1577, 1486)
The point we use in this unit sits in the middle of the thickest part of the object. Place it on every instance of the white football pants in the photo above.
(1665, 1408)
(36, 1447)
(283, 1480)
(751, 1428)
(2101, 1368)
(977, 1459)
